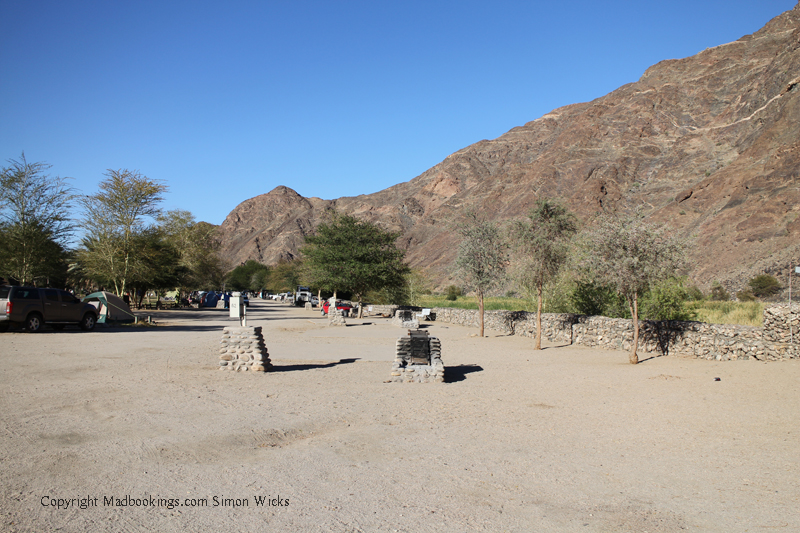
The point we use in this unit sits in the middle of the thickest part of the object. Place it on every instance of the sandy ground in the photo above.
(566, 439)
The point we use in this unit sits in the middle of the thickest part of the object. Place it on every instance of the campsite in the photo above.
(136, 427)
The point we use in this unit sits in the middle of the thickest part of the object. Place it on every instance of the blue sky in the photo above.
(223, 101)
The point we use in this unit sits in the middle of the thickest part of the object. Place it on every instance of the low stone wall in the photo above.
(688, 339)
(336, 318)
(556, 327)
(387, 310)
(405, 318)
(242, 348)
(777, 321)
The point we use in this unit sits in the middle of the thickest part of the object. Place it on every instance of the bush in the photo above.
(764, 285)
(718, 293)
(666, 301)
(592, 299)
(694, 294)
(388, 296)
(558, 295)
(453, 293)
(745, 295)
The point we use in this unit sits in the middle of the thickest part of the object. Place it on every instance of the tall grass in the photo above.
(730, 312)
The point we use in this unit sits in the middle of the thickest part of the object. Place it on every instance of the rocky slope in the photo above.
(709, 144)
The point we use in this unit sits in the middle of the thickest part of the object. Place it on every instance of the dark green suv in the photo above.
(32, 307)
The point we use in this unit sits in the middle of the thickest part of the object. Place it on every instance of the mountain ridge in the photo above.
(708, 144)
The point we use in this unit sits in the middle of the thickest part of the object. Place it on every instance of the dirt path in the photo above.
(566, 439)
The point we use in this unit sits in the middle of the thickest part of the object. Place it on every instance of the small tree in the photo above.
(764, 286)
(541, 246)
(416, 285)
(250, 275)
(285, 276)
(114, 219)
(630, 255)
(482, 257)
(196, 250)
(348, 254)
(34, 222)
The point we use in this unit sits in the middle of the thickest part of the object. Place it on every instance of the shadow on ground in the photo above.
(310, 366)
(453, 374)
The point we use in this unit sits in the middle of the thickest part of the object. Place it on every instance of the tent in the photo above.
(210, 299)
(110, 307)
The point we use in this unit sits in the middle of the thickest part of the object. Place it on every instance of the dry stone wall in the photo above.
(781, 322)
(242, 348)
(387, 310)
(687, 339)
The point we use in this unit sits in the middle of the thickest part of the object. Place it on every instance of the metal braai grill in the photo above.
(420, 347)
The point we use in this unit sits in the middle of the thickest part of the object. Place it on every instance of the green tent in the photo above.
(110, 307)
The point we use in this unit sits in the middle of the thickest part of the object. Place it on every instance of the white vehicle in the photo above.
(302, 295)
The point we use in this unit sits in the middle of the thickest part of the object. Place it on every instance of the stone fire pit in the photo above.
(418, 359)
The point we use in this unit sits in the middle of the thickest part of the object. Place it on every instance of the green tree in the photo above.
(285, 276)
(34, 222)
(482, 257)
(416, 285)
(114, 218)
(630, 255)
(348, 254)
(541, 245)
(196, 250)
(249, 276)
(155, 265)
(764, 286)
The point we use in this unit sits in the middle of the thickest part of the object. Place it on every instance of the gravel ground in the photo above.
(565, 439)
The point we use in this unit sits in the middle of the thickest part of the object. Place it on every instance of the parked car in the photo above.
(32, 308)
(342, 306)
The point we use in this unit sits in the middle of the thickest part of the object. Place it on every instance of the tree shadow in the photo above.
(310, 366)
(664, 333)
(453, 374)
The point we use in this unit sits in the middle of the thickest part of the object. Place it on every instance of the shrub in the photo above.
(764, 285)
(453, 293)
(589, 298)
(558, 295)
(745, 296)
(694, 294)
(667, 301)
(718, 292)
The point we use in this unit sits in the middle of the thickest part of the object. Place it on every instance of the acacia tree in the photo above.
(114, 219)
(541, 246)
(482, 257)
(629, 255)
(34, 222)
(195, 250)
(348, 254)
(250, 275)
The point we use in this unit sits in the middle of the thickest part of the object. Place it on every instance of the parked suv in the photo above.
(31, 308)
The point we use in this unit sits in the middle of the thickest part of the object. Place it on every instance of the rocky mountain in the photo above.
(709, 145)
